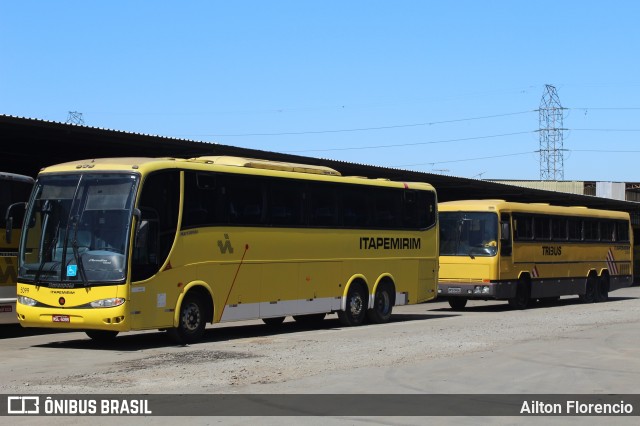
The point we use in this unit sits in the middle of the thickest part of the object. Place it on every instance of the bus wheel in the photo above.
(356, 306)
(457, 303)
(191, 320)
(523, 294)
(589, 295)
(382, 304)
(309, 319)
(602, 292)
(101, 335)
(273, 321)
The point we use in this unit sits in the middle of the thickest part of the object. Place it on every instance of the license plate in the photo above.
(454, 290)
(61, 318)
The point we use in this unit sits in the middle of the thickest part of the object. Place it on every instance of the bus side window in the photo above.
(505, 235)
(159, 206)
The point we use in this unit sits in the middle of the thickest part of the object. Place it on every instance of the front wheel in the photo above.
(191, 320)
(457, 303)
(523, 295)
(356, 309)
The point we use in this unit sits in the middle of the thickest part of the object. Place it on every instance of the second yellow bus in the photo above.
(493, 249)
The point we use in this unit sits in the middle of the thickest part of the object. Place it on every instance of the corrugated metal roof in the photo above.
(570, 187)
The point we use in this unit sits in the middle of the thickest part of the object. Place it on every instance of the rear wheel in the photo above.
(101, 335)
(523, 295)
(602, 292)
(457, 303)
(383, 302)
(356, 309)
(191, 320)
(589, 295)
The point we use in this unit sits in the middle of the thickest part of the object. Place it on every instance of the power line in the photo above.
(410, 144)
(606, 108)
(431, 163)
(604, 151)
(363, 129)
(355, 148)
(605, 130)
(400, 126)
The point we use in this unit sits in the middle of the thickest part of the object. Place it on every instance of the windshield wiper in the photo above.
(76, 253)
(52, 243)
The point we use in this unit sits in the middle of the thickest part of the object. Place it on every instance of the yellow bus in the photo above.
(493, 249)
(137, 243)
(14, 193)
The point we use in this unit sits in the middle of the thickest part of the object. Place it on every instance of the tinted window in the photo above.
(354, 207)
(607, 230)
(559, 228)
(622, 231)
(591, 227)
(12, 191)
(542, 225)
(159, 206)
(323, 205)
(285, 203)
(523, 227)
(575, 229)
(225, 199)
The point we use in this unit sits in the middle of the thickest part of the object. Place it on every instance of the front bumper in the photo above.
(478, 290)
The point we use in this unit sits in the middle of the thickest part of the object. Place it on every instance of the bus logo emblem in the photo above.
(226, 245)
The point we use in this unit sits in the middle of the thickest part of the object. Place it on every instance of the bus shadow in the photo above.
(131, 342)
(501, 306)
(11, 331)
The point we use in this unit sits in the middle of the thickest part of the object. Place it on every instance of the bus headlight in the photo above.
(23, 300)
(485, 289)
(107, 303)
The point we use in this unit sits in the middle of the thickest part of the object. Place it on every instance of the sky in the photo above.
(449, 87)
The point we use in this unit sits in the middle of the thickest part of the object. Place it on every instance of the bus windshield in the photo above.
(468, 234)
(78, 229)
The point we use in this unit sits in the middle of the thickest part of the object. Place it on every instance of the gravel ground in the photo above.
(253, 358)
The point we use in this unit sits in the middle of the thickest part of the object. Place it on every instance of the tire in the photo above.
(356, 309)
(101, 335)
(191, 320)
(383, 302)
(602, 290)
(309, 318)
(523, 295)
(457, 303)
(273, 321)
(591, 288)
